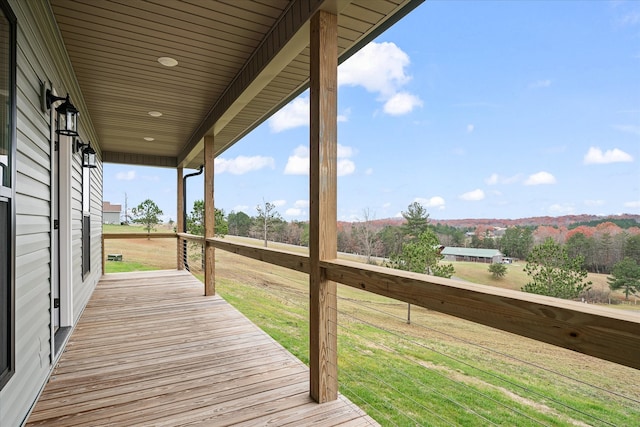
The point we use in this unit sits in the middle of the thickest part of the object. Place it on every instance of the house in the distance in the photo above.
(111, 213)
(489, 256)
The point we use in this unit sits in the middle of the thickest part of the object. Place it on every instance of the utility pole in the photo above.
(126, 209)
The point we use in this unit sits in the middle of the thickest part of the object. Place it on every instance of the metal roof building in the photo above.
(472, 254)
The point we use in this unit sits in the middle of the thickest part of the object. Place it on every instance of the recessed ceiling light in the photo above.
(148, 138)
(167, 62)
(155, 113)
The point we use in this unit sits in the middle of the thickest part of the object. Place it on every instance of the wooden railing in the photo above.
(596, 331)
(593, 330)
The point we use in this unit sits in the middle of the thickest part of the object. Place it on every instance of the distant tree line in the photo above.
(600, 246)
(557, 258)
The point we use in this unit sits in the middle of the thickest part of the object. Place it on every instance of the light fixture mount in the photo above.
(88, 153)
(66, 113)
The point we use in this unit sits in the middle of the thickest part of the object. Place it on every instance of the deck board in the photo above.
(150, 349)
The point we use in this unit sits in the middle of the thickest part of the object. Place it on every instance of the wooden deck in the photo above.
(151, 350)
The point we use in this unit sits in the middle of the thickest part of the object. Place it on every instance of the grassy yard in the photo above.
(438, 370)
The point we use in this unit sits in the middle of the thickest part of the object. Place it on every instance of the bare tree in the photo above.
(266, 217)
(367, 236)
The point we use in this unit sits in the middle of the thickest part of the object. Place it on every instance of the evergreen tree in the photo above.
(239, 223)
(625, 276)
(422, 256)
(417, 221)
(498, 271)
(554, 273)
(632, 248)
(195, 220)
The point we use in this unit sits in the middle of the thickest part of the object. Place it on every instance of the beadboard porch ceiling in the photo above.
(239, 61)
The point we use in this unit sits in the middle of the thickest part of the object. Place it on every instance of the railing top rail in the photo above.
(597, 331)
(191, 237)
(139, 235)
(291, 260)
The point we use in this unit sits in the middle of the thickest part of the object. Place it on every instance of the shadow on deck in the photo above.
(150, 349)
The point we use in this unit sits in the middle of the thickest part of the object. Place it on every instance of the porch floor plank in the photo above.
(150, 349)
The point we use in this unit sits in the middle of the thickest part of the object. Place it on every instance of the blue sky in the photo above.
(474, 109)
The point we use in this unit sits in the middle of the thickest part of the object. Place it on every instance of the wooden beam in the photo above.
(209, 218)
(139, 235)
(104, 256)
(139, 159)
(285, 259)
(596, 331)
(269, 58)
(323, 205)
(180, 220)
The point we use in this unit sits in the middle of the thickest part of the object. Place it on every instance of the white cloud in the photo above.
(294, 114)
(401, 103)
(630, 19)
(241, 208)
(433, 202)
(474, 195)
(386, 205)
(369, 171)
(498, 179)
(346, 167)
(298, 162)
(242, 164)
(293, 212)
(633, 205)
(345, 151)
(594, 202)
(278, 203)
(301, 204)
(126, 176)
(564, 209)
(493, 179)
(470, 128)
(596, 156)
(540, 178)
(540, 84)
(634, 129)
(344, 117)
(380, 68)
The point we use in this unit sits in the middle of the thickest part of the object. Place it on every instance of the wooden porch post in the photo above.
(209, 218)
(323, 211)
(180, 219)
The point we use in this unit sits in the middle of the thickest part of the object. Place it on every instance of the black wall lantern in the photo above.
(88, 153)
(67, 114)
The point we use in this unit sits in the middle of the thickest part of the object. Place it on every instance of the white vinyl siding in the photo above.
(41, 56)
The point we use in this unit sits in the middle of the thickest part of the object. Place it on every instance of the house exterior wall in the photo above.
(41, 57)
(111, 217)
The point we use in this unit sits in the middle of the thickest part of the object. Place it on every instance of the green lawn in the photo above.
(418, 374)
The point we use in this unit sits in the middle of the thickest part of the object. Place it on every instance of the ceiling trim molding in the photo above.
(139, 159)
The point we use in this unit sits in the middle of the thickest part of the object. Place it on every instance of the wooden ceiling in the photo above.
(239, 61)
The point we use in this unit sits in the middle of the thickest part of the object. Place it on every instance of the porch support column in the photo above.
(209, 218)
(180, 219)
(323, 212)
